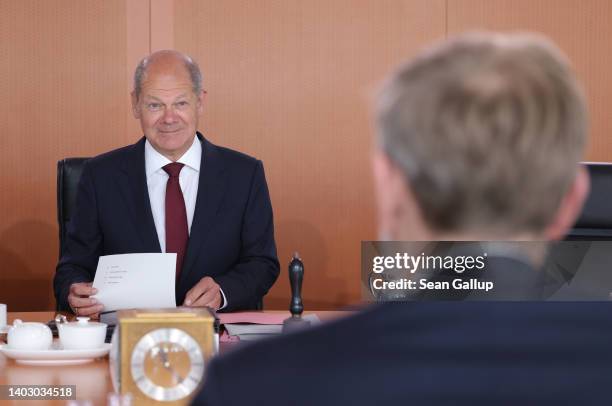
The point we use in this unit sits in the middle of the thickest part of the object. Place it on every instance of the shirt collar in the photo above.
(154, 161)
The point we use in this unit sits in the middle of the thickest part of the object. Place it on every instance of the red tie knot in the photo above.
(173, 169)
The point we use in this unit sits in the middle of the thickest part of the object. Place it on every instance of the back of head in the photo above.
(487, 130)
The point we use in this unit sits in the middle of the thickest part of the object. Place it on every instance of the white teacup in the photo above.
(29, 336)
(82, 334)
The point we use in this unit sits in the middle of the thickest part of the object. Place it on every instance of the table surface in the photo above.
(92, 380)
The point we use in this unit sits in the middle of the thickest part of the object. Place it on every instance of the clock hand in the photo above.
(163, 354)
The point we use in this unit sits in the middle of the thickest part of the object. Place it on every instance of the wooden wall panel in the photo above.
(63, 88)
(290, 82)
(581, 28)
(162, 30)
(138, 45)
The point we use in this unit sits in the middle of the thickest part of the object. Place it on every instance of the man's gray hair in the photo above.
(192, 67)
(488, 131)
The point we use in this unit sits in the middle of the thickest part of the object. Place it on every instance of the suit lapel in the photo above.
(134, 189)
(211, 188)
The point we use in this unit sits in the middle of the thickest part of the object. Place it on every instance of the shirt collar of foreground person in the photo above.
(478, 138)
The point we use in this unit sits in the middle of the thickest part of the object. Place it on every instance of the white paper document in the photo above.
(129, 281)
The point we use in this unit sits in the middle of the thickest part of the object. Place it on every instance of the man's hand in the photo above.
(80, 302)
(204, 293)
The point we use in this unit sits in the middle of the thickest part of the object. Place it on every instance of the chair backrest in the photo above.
(595, 221)
(69, 172)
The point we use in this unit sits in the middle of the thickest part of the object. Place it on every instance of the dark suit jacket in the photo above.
(429, 353)
(232, 234)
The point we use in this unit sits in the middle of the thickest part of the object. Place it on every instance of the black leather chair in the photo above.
(595, 221)
(69, 172)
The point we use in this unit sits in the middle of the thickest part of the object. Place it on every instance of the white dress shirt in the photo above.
(157, 179)
(188, 179)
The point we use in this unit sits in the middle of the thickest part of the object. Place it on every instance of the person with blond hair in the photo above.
(479, 138)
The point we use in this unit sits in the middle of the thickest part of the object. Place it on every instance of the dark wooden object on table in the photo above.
(296, 307)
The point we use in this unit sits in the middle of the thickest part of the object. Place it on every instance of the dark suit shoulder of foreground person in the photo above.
(434, 353)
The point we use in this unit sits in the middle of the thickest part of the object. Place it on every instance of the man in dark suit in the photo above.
(173, 191)
(479, 138)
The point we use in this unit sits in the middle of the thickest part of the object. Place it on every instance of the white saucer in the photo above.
(55, 356)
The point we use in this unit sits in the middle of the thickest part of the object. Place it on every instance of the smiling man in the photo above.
(173, 191)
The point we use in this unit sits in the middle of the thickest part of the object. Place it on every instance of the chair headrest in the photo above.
(597, 211)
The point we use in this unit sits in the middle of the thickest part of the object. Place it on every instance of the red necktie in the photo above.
(177, 232)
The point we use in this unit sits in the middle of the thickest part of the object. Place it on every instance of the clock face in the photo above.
(167, 364)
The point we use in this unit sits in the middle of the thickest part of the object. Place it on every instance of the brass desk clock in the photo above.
(160, 355)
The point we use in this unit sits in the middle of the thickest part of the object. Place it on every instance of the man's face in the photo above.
(168, 108)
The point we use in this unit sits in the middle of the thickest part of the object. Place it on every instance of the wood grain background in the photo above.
(288, 81)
